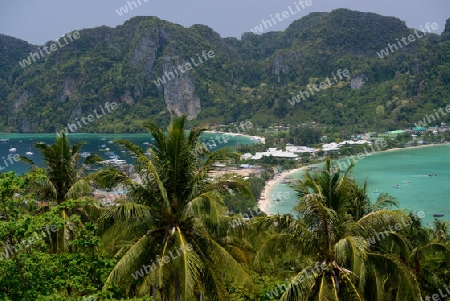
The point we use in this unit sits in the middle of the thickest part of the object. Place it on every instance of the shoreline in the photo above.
(263, 140)
(264, 202)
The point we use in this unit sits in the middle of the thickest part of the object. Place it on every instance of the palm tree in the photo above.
(173, 207)
(331, 237)
(64, 179)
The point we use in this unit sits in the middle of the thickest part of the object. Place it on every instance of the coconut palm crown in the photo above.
(174, 214)
(65, 177)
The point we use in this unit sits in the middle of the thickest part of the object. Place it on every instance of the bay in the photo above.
(430, 194)
(25, 143)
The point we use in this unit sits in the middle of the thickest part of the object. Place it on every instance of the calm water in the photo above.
(24, 143)
(383, 170)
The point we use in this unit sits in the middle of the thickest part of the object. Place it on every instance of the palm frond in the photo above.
(300, 287)
(128, 264)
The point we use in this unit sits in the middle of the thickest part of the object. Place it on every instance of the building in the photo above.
(300, 149)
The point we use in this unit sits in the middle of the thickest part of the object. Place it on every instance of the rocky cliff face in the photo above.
(254, 76)
(179, 91)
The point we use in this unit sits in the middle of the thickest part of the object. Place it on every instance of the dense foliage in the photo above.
(340, 245)
(248, 79)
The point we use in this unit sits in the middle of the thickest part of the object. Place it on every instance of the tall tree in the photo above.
(332, 238)
(65, 178)
(174, 207)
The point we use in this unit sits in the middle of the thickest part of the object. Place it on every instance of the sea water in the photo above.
(94, 144)
(409, 168)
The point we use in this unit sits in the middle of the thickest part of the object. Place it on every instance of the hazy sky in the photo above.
(38, 21)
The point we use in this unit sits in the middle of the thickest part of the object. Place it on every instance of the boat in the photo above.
(103, 145)
(40, 142)
(376, 191)
(396, 186)
(28, 153)
(146, 143)
(277, 200)
(85, 154)
(285, 182)
(110, 154)
(432, 175)
(110, 142)
(13, 149)
(406, 182)
(113, 162)
(438, 215)
(4, 140)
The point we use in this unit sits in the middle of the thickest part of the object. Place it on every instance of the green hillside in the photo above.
(252, 78)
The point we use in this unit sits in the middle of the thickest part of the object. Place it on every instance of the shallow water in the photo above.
(24, 143)
(385, 169)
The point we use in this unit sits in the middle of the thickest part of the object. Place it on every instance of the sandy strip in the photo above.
(263, 140)
(265, 203)
(411, 147)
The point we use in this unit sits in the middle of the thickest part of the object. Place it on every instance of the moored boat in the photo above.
(113, 162)
(438, 215)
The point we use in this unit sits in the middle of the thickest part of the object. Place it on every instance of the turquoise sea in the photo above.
(430, 194)
(24, 143)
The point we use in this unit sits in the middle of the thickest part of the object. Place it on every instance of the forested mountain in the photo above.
(252, 78)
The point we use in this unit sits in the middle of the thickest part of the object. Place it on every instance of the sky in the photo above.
(39, 21)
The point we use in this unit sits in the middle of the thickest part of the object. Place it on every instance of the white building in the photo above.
(275, 153)
(299, 149)
(351, 142)
(330, 146)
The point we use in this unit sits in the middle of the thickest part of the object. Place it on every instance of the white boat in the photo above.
(4, 140)
(113, 162)
(13, 149)
(28, 153)
(146, 143)
(110, 142)
(85, 154)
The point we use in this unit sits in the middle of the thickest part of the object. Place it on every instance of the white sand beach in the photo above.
(264, 203)
(262, 139)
